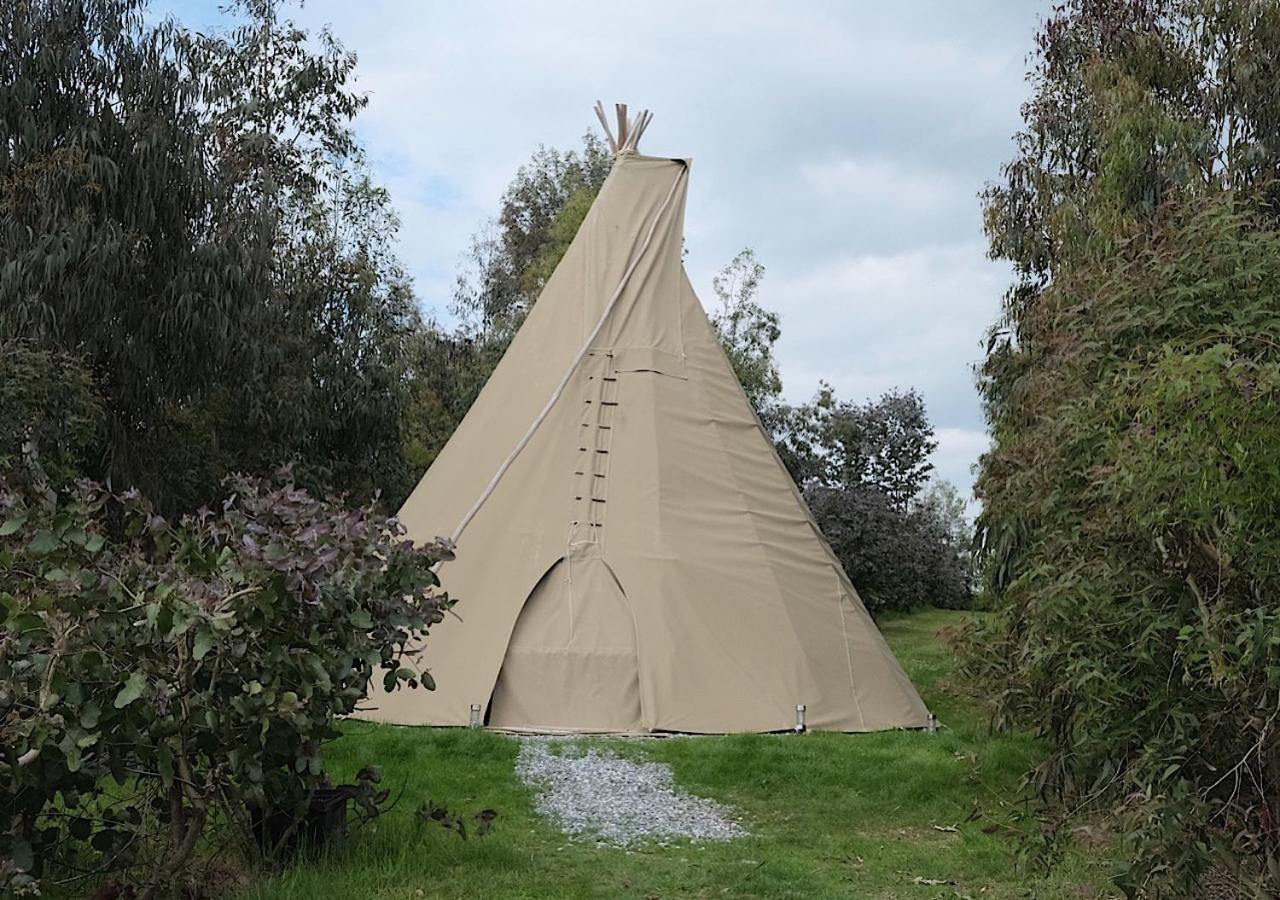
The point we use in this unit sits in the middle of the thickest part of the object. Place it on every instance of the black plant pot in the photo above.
(323, 826)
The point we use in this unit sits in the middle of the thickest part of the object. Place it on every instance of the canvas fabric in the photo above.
(645, 563)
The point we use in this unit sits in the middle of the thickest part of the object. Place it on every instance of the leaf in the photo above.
(43, 543)
(9, 526)
(203, 644)
(361, 619)
(131, 691)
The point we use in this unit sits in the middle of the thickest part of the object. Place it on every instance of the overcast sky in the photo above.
(845, 141)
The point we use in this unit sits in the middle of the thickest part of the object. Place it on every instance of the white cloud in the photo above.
(871, 323)
(958, 451)
(883, 187)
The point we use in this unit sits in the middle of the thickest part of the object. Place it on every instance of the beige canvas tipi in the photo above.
(631, 554)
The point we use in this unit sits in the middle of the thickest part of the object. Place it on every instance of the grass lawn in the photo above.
(830, 815)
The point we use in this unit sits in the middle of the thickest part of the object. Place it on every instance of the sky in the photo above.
(845, 141)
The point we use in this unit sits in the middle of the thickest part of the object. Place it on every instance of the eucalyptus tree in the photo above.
(118, 235)
(748, 331)
(190, 215)
(512, 257)
(1130, 541)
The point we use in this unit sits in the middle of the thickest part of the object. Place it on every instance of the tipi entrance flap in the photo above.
(572, 661)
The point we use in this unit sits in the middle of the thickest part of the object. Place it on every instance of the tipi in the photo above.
(632, 555)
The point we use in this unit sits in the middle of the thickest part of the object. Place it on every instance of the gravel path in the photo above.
(596, 793)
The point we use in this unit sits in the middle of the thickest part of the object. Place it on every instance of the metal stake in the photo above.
(477, 717)
(931, 724)
(799, 718)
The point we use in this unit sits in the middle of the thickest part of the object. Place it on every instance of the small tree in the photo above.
(512, 258)
(943, 503)
(884, 443)
(898, 559)
(748, 331)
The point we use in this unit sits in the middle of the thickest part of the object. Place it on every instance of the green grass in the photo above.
(830, 815)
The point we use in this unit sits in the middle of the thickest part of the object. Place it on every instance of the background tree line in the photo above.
(191, 218)
(1129, 532)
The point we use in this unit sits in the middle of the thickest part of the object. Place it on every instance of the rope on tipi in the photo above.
(627, 139)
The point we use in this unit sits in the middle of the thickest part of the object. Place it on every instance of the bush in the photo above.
(156, 675)
(897, 558)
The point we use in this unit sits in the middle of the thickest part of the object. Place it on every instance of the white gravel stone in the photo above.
(595, 793)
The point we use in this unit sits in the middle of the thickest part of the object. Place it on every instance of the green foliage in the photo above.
(948, 505)
(748, 331)
(560, 234)
(190, 215)
(155, 676)
(511, 260)
(944, 509)
(862, 468)
(109, 227)
(333, 364)
(447, 371)
(50, 408)
(884, 443)
(1129, 530)
(898, 558)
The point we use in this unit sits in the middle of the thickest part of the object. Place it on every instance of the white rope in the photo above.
(577, 360)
